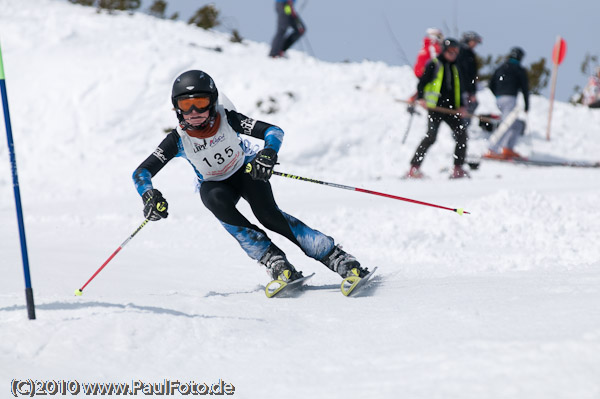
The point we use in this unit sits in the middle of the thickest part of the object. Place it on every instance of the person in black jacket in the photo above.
(441, 87)
(506, 82)
(467, 64)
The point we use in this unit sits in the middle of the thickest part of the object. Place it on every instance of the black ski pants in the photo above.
(281, 42)
(221, 198)
(459, 133)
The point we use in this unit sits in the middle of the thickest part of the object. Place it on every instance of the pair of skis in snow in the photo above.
(539, 161)
(350, 285)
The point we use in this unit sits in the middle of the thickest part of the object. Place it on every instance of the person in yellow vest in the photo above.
(440, 86)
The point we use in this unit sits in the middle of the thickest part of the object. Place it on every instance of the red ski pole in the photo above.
(80, 290)
(460, 211)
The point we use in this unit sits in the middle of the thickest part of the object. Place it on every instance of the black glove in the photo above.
(155, 206)
(261, 167)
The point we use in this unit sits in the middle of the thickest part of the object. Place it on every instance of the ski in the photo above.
(353, 284)
(504, 125)
(548, 162)
(280, 288)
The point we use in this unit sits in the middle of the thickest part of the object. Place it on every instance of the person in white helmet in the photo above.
(432, 46)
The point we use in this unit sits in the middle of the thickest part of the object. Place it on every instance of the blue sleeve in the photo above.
(273, 138)
(142, 178)
(168, 149)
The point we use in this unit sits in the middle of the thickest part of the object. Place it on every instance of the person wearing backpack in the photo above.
(508, 80)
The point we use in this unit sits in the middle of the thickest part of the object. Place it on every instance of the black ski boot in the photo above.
(278, 266)
(343, 263)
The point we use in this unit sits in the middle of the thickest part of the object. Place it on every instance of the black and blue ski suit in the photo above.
(219, 162)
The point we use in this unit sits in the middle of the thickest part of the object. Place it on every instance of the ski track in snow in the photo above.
(501, 303)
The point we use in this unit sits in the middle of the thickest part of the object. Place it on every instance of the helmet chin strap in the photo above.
(207, 122)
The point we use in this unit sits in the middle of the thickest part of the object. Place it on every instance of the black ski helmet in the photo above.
(450, 42)
(517, 53)
(195, 83)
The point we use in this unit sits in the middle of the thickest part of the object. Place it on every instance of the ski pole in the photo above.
(454, 112)
(17, 194)
(412, 114)
(460, 211)
(401, 52)
(80, 290)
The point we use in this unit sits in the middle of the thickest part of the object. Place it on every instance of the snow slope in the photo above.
(501, 303)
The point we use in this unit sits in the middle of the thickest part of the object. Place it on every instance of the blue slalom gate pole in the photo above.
(13, 163)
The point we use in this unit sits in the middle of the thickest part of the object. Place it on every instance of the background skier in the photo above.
(432, 45)
(440, 86)
(506, 82)
(287, 17)
(591, 92)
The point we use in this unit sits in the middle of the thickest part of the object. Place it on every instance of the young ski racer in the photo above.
(208, 137)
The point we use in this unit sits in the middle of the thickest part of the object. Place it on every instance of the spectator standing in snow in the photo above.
(506, 82)
(432, 45)
(467, 64)
(440, 86)
(208, 137)
(287, 17)
(591, 92)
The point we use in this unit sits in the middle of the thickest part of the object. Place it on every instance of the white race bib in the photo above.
(216, 157)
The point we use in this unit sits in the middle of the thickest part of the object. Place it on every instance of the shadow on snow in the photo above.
(125, 307)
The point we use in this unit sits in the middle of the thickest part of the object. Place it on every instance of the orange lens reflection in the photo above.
(185, 104)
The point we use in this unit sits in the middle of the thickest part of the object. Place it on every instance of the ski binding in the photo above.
(277, 286)
(353, 284)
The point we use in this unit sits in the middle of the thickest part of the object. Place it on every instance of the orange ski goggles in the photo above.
(186, 105)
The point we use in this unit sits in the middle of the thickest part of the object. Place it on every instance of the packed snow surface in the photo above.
(499, 303)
